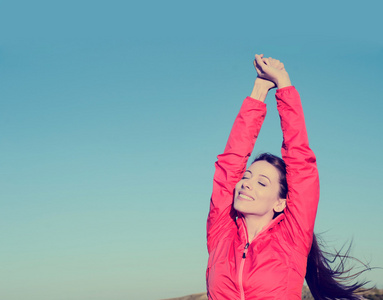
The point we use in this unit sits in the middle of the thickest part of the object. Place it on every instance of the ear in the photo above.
(280, 205)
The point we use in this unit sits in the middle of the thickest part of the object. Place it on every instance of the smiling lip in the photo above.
(244, 196)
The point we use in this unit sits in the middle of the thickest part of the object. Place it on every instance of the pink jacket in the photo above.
(273, 266)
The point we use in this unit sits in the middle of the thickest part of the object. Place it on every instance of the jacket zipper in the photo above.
(240, 275)
(241, 272)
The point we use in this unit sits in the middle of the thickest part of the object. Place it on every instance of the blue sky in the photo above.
(112, 115)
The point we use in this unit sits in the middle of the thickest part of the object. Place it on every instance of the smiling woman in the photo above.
(261, 220)
(257, 196)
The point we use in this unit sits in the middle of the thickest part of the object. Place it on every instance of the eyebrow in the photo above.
(259, 175)
(266, 177)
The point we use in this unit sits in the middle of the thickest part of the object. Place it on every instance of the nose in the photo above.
(246, 184)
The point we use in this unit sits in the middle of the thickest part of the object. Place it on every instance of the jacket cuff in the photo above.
(256, 101)
(285, 89)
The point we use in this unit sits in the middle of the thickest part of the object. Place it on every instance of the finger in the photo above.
(266, 61)
(273, 61)
(259, 60)
(259, 71)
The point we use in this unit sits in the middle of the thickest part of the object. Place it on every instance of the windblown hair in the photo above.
(325, 282)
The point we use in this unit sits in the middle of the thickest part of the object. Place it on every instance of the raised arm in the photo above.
(302, 174)
(232, 163)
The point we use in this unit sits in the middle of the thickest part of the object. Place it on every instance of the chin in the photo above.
(239, 207)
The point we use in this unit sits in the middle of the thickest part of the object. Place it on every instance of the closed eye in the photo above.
(247, 174)
(261, 183)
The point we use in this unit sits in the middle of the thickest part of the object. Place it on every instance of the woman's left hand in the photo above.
(273, 70)
(265, 82)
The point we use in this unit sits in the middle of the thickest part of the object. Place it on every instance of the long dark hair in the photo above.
(324, 281)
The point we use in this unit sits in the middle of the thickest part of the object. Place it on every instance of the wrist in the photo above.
(283, 81)
(260, 90)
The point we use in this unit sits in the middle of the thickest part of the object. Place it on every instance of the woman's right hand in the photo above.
(273, 70)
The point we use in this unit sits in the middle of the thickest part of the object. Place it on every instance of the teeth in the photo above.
(245, 197)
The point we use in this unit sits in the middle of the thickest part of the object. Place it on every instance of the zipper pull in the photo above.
(244, 253)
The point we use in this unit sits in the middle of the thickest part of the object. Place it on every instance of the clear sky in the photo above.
(112, 114)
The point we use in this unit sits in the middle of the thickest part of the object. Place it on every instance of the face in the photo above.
(257, 193)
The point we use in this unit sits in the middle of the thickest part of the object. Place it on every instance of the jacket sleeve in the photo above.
(229, 169)
(302, 173)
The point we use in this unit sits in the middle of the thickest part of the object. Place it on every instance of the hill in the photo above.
(373, 294)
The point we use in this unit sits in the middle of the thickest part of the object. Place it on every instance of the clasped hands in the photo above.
(271, 72)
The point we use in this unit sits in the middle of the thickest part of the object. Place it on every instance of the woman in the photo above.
(261, 220)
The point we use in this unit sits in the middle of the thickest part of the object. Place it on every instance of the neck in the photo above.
(255, 224)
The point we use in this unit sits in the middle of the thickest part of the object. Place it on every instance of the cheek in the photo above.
(275, 193)
(237, 188)
(238, 185)
(269, 198)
